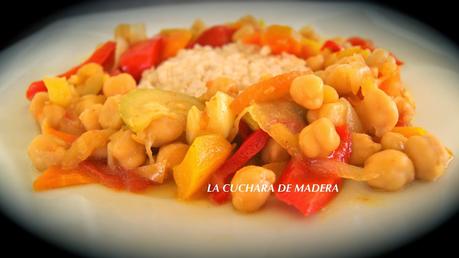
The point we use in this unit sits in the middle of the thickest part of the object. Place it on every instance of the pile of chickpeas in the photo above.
(93, 116)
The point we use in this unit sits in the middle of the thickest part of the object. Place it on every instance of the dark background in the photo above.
(27, 17)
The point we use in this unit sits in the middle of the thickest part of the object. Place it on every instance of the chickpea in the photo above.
(164, 130)
(109, 116)
(46, 151)
(38, 103)
(378, 112)
(406, 107)
(273, 152)
(250, 201)
(362, 148)
(319, 139)
(347, 75)
(307, 91)
(119, 84)
(53, 114)
(377, 57)
(330, 94)
(171, 155)
(336, 112)
(429, 156)
(395, 141)
(87, 101)
(84, 146)
(128, 153)
(90, 117)
(316, 62)
(395, 168)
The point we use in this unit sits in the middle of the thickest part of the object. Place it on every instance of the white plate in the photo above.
(94, 219)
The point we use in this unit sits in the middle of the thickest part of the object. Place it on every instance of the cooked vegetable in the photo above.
(174, 41)
(84, 146)
(429, 156)
(119, 84)
(60, 92)
(267, 90)
(46, 151)
(126, 152)
(307, 91)
(362, 148)
(395, 141)
(34, 88)
(140, 107)
(215, 36)
(115, 178)
(248, 149)
(319, 139)
(332, 46)
(56, 177)
(141, 56)
(281, 39)
(378, 112)
(261, 179)
(205, 155)
(298, 173)
(216, 118)
(395, 169)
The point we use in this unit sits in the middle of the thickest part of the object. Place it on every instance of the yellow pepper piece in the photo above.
(205, 155)
(409, 131)
(60, 92)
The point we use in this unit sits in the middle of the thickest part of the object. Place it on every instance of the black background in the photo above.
(27, 17)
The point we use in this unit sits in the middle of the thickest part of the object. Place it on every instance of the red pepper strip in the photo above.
(104, 55)
(118, 178)
(248, 149)
(363, 43)
(215, 36)
(141, 56)
(332, 45)
(300, 173)
(244, 130)
(344, 150)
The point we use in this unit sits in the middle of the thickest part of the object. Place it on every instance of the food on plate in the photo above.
(240, 112)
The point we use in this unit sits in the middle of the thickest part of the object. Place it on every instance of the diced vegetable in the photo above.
(298, 173)
(55, 177)
(174, 41)
(215, 36)
(248, 149)
(141, 56)
(307, 172)
(363, 43)
(205, 155)
(34, 88)
(281, 39)
(332, 46)
(60, 92)
(141, 106)
(409, 131)
(266, 90)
